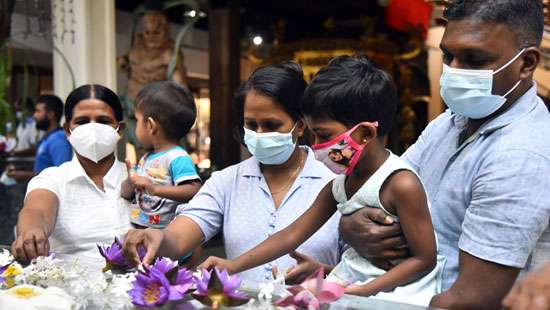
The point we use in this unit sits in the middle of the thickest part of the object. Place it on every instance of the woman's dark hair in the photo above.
(352, 90)
(171, 105)
(92, 91)
(284, 83)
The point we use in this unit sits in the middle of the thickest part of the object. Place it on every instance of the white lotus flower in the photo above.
(30, 297)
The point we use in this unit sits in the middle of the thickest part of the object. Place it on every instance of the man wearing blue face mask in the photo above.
(485, 162)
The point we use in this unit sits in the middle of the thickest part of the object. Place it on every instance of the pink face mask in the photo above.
(340, 154)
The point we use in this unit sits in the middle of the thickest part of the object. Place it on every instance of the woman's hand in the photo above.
(30, 244)
(305, 267)
(220, 263)
(375, 236)
(150, 239)
(532, 292)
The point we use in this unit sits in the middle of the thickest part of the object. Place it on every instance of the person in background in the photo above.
(53, 149)
(165, 176)
(485, 162)
(26, 133)
(71, 208)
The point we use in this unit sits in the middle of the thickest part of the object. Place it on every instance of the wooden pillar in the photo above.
(224, 67)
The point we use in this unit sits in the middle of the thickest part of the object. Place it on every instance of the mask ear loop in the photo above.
(509, 62)
(506, 65)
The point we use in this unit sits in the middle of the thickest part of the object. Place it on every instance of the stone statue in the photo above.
(148, 61)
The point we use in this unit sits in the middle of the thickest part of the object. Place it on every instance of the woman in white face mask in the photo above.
(70, 208)
(261, 195)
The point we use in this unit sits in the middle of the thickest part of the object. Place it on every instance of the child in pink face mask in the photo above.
(349, 106)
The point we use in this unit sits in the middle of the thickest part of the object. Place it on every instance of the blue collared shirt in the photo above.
(52, 151)
(490, 195)
(237, 201)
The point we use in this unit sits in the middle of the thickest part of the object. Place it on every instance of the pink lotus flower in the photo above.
(114, 258)
(218, 289)
(312, 293)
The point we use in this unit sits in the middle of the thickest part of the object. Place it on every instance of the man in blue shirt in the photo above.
(53, 149)
(485, 162)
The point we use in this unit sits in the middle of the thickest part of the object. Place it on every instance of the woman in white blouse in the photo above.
(70, 208)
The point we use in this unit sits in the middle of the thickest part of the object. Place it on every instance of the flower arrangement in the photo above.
(161, 285)
(87, 289)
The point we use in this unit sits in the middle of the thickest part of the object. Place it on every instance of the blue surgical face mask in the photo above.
(270, 148)
(469, 92)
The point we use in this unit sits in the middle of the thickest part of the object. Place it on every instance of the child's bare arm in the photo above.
(182, 192)
(410, 202)
(127, 190)
(285, 240)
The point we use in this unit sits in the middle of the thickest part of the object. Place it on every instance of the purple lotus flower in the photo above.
(218, 289)
(150, 289)
(164, 264)
(160, 283)
(202, 281)
(182, 283)
(114, 258)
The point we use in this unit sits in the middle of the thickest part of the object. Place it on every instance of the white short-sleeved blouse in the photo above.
(86, 215)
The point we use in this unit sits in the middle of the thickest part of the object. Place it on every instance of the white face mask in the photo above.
(469, 92)
(94, 141)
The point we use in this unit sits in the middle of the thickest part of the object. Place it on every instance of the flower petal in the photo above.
(330, 293)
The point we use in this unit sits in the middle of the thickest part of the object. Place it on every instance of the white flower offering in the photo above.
(30, 297)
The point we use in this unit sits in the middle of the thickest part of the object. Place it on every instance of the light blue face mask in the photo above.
(469, 92)
(270, 148)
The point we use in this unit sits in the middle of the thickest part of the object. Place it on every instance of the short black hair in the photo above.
(52, 104)
(169, 104)
(523, 17)
(352, 90)
(284, 83)
(93, 91)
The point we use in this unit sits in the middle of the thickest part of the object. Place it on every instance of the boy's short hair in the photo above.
(171, 105)
(352, 90)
